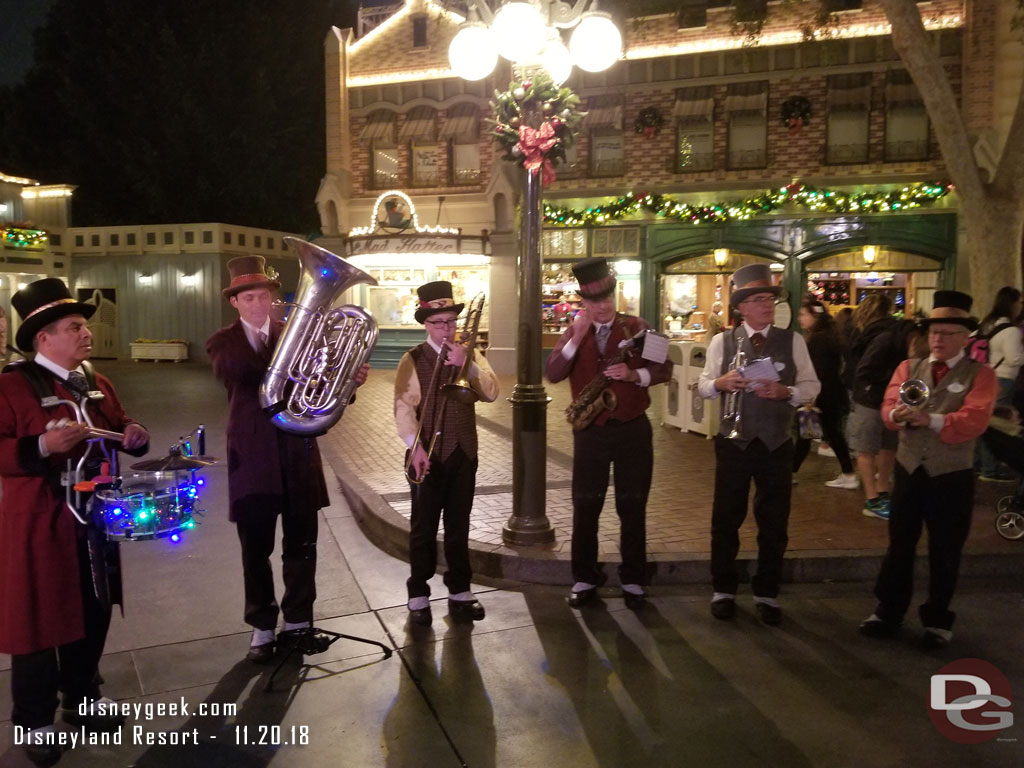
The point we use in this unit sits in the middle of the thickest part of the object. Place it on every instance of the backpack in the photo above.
(978, 347)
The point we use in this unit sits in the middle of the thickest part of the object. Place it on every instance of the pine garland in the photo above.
(795, 195)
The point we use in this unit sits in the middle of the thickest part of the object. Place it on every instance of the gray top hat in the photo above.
(751, 279)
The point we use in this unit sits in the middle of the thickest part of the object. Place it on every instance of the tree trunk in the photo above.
(991, 240)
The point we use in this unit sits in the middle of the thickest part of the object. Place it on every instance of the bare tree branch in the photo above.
(914, 47)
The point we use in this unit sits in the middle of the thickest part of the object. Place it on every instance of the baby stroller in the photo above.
(1003, 437)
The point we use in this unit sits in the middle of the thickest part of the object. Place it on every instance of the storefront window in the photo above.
(425, 165)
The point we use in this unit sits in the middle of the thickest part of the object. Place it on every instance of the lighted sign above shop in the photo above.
(394, 230)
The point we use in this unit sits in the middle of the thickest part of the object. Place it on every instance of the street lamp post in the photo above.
(529, 34)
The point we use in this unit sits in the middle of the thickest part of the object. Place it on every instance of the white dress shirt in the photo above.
(252, 333)
(61, 373)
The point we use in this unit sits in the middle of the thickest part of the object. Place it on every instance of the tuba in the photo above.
(311, 376)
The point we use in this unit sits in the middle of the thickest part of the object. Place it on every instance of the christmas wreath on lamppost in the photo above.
(534, 122)
(796, 111)
(649, 121)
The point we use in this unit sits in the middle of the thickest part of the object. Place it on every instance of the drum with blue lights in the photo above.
(148, 505)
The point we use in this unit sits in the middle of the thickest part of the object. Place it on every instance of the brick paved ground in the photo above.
(823, 519)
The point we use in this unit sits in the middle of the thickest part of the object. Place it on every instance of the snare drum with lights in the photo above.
(148, 505)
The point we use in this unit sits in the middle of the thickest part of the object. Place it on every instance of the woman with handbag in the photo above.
(826, 351)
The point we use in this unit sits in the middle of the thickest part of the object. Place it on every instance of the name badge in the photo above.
(956, 387)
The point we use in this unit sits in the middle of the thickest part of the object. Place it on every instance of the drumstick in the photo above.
(92, 431)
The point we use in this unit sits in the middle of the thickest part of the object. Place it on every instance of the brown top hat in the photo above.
(436, 297)
(752, 279)
(40, 303)
(595, 277)
(248, 272)
(951, 307)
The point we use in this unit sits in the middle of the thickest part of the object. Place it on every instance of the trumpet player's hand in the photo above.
(362, 374)
(621, 372)
(135, 436)
(63, 439)
(420, 465)
(456, 354)
(732, 381)
(580, 326)
(769, 390)
(912, 417)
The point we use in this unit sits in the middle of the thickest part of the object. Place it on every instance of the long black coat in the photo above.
(258, 452)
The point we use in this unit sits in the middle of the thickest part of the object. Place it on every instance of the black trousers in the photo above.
(628, 445)
(71, 668)
(257, 529)
(943, 504)
(834, 434)
(446, 492)
(772, 474)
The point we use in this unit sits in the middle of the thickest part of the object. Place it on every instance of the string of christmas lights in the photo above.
(19, 237)
(794, 195)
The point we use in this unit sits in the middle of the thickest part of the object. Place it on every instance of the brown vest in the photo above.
(459, 425)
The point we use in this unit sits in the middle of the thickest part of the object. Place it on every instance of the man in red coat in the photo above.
(620, 435)
(54, 592)
(270, 473)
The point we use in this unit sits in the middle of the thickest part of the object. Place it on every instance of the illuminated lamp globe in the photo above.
(557, 60)
(596, 43)
(520, 31)
(472, 53)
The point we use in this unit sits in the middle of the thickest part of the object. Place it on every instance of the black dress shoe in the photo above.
(724, 608)
(100, 716)
(43, 755)
(768, 614)
(878, 628)
(932, 641)
(466, 609)
(633, 601)
(261, 654)
(421, 616)
(579, 599)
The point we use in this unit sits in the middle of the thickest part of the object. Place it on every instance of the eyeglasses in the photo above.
(945, 334)
(759, 300)
(442, 323)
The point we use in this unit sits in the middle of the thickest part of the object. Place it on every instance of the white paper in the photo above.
(761, 369)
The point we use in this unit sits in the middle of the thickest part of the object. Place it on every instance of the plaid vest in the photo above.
(459, 425)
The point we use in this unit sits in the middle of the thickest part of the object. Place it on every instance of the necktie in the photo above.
(77, 384)
(939, 371)
(757, 341)
(264, 340)
(603, 332)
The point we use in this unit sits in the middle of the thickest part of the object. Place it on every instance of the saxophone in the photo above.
(597, 396)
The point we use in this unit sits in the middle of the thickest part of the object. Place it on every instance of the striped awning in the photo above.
(462, 122)
(694, 110)
(901, 94)
(747, 103)
(380, 127)
(849, 99)
(603, 112)
(420, 125)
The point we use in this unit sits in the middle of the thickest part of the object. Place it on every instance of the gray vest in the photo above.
(920, 446)
(771, 421)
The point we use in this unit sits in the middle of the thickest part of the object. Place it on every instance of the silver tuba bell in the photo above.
(311, 376)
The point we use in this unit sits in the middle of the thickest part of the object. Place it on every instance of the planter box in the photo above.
(159, 350)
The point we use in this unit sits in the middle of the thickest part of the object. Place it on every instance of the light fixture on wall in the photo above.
(526, 32)
(870, 254)
(190, 280)
(721, 258)
(145, 279)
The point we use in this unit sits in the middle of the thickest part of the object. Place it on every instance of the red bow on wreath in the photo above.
(535, 145)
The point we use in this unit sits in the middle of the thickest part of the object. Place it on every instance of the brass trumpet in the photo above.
(914, 393)
(458, 389)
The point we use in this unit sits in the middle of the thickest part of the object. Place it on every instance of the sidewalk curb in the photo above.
(389, 531)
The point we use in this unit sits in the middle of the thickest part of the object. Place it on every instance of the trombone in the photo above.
(458, 389)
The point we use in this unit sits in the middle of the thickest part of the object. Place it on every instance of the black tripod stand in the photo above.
(310, 641)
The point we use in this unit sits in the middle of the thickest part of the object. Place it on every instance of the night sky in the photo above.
(20, 17)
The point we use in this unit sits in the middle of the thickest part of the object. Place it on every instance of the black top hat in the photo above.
(436, 297)
(752, 279)
(248, 272)
(951, 307)
(595, 278)
(40, 303)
